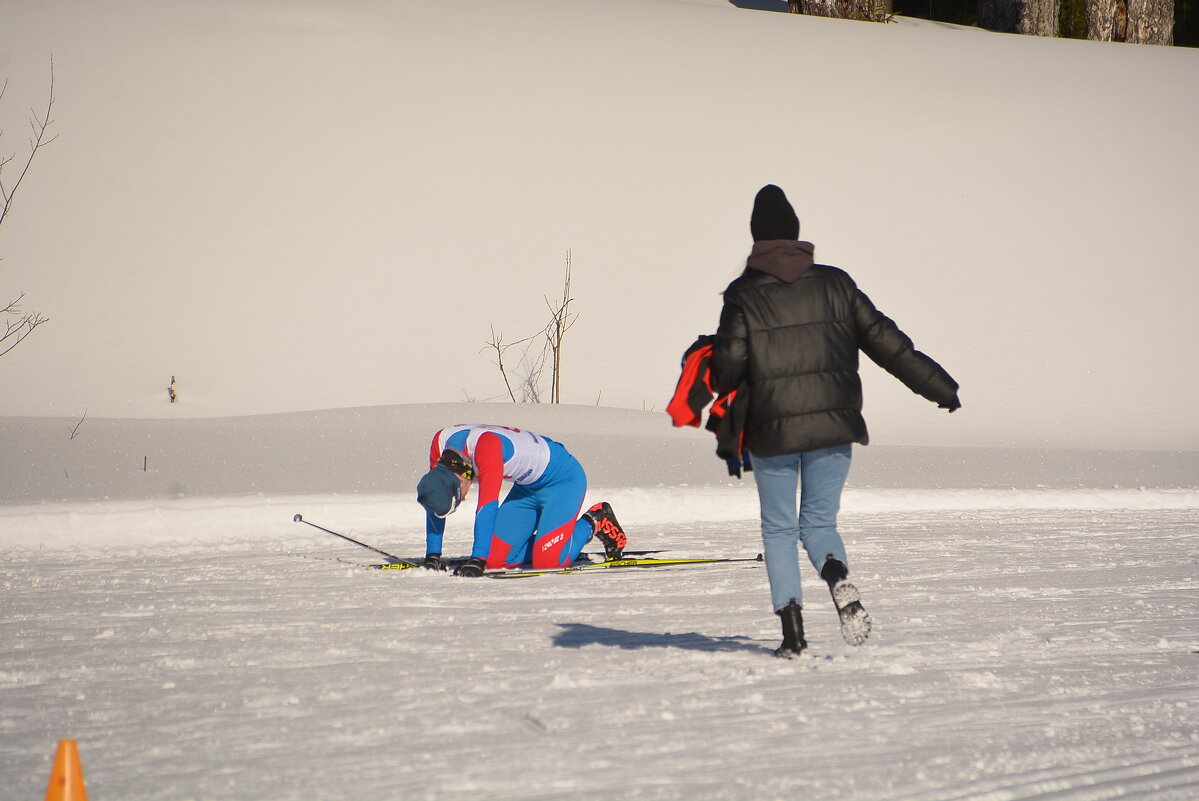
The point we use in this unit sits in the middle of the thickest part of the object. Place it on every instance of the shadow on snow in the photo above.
(577, 635)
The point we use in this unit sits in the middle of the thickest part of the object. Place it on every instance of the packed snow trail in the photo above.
(1024, 654)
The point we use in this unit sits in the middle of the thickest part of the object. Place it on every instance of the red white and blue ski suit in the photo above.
(539, 520)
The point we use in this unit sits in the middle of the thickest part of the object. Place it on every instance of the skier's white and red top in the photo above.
(497, 453)
(506, 453)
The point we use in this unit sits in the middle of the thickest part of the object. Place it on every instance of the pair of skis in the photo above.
(634, 559)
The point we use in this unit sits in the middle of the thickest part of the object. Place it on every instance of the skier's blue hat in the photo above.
(439, 491)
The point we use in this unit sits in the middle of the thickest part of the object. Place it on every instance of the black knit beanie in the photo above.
(773, 217)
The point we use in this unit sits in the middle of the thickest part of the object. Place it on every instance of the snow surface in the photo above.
(1032, 641)
(312, 212)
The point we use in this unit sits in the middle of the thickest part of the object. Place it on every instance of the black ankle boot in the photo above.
(855, 622)
(793, 641)
(834, 570)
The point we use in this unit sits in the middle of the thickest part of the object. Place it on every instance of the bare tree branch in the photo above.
(497, 343)
(534, 366)
(501, 347)
(23, 327)
(16, 331)
(550, 336)
(75, 430)
(39, 125)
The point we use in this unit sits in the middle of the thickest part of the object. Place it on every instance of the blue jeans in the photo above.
(821, 474)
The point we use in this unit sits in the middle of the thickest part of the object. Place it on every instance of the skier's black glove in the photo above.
(471, 568)
(433, 562)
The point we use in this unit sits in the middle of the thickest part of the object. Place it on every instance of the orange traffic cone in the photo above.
(66, 778)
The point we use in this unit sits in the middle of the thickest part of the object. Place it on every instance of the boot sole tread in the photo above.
(855, 620)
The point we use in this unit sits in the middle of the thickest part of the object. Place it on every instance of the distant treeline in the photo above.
(1071, 16)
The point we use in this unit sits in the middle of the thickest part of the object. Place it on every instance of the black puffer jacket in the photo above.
(789, 335)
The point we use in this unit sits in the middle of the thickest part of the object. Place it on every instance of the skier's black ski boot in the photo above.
(793, 639)
(855, 621)
(607, 530)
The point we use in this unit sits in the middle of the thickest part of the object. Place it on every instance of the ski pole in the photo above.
(394, 559)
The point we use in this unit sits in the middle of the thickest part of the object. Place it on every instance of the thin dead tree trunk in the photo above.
(550, 337)
(559, 324)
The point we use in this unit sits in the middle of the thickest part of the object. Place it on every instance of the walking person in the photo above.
(538, 520)
(790, 331)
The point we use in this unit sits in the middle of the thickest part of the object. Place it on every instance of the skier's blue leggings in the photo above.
(540, 522)
(821, 476)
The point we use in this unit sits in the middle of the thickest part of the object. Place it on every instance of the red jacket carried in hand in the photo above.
(727, 416)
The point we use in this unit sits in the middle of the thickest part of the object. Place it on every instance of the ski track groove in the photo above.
(1175, 776)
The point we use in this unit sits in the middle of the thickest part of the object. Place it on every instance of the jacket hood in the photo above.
(785, 259)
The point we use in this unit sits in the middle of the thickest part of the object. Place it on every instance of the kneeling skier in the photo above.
(537, 521)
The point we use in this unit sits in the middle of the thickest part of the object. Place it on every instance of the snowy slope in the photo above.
(306, 205)
(93, 483)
